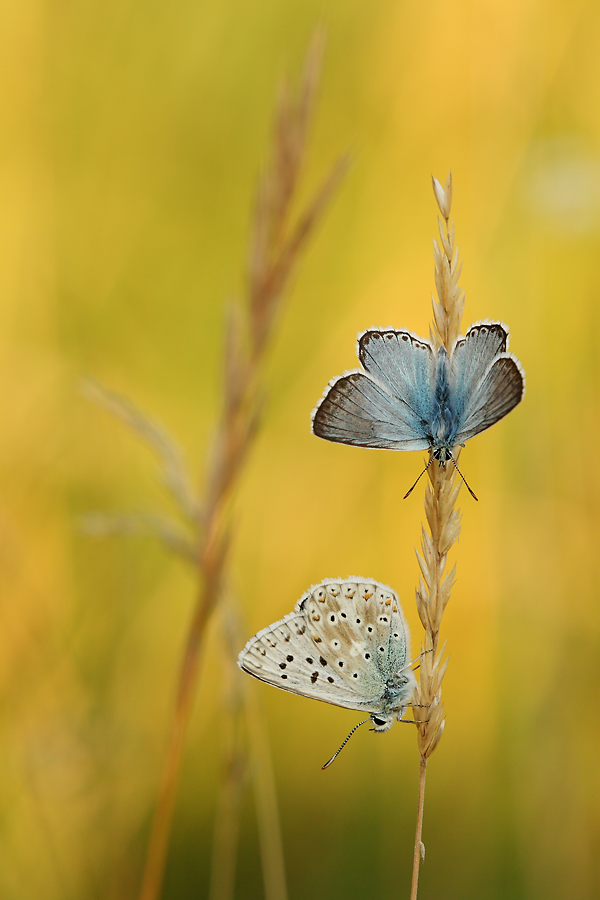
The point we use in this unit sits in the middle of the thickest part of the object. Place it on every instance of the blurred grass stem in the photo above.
(241, 701)
(267, 810)
(443, 520)
(275, 245)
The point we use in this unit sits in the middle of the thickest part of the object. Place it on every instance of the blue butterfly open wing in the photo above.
(487, 382)
(402, 363)
(472, 357)
(499, 392)
(388, 406)
(356, 410)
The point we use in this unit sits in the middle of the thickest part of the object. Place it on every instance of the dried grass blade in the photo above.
(174, 471)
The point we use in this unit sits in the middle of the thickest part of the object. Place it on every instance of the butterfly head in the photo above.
(442, 455)
(381, 722)
(384, 721)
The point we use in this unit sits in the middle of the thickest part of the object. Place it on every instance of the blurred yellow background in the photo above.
(132, 134)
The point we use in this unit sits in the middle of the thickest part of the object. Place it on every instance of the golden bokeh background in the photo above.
(132, 134)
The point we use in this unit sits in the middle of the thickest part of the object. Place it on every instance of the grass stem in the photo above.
(443, 521)
(277, 240)
(419, 848)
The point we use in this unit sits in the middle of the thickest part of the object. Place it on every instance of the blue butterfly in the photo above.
(408, 396)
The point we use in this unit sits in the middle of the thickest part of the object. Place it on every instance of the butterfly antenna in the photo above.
(473, 495)
(337, 752)
(408, 493)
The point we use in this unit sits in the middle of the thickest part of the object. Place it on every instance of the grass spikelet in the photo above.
(442, 517)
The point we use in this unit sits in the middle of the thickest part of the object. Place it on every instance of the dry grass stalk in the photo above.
(276, 241)
(448, 309)
(443, 520)
(233, 778)
(246, 753)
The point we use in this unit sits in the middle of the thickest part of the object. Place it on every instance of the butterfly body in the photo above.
(346, 643)
(411, 396)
